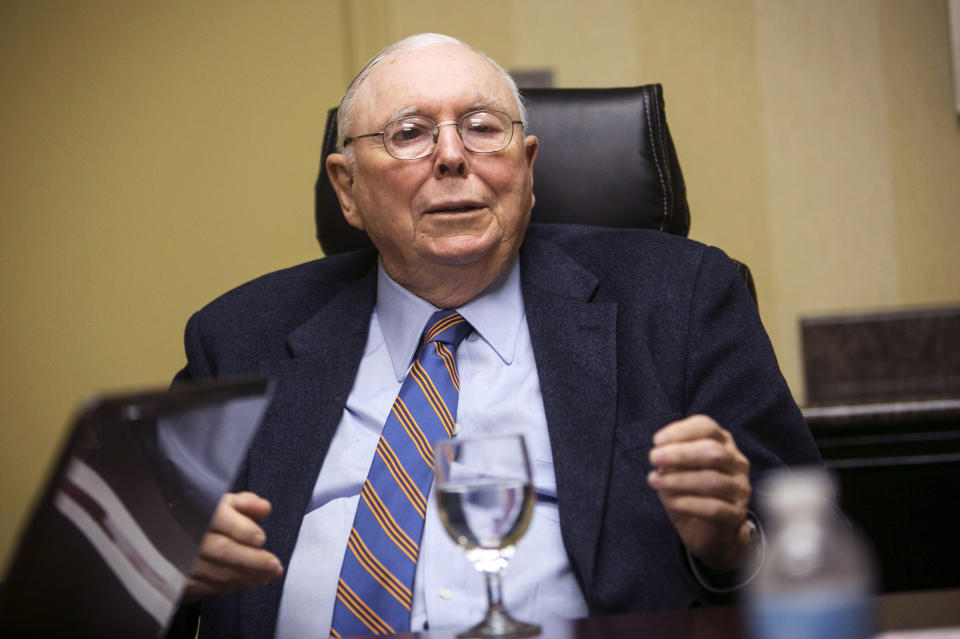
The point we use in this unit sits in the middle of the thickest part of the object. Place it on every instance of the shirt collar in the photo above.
(495, 315)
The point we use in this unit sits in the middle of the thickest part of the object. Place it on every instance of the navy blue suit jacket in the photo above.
(630, 330)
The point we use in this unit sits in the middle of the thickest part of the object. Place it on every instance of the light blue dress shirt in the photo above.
(499, 393)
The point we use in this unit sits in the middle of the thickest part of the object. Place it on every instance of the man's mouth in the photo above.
(455, 207)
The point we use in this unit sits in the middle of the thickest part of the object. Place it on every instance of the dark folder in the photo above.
(119, 524)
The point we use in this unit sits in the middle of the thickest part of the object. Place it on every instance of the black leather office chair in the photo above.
(606, 159)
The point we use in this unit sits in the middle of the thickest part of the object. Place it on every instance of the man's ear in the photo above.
(531, 146)
(341, 177)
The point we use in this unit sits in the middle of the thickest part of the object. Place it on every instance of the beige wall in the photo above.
(156, 154)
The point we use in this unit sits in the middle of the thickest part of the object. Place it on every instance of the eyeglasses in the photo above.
(412, 137)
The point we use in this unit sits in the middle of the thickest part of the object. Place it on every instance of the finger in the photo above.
(222, 550)
(197, 588)
(704, 483)
(691, 428)
(250, 504)
(210, 579)
(251, 570)
(718, 511)
(234, 523)
(699, 454)
(225, 566)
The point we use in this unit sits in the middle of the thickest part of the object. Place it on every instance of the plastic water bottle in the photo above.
(817, 577)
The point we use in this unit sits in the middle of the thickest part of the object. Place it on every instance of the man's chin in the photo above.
(458, 249)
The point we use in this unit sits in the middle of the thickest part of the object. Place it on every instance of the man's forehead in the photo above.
(432, 79)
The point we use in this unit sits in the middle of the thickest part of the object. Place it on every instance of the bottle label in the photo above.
(811, 617)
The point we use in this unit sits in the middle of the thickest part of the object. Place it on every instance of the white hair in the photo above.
(345, 114)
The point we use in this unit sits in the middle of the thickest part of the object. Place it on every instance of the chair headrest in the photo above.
(606, 159)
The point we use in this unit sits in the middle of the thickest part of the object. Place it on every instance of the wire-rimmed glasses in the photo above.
(412, 137)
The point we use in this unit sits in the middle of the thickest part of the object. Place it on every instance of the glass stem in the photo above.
(494, 590)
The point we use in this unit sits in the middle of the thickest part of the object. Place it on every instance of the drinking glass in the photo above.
(485, 497)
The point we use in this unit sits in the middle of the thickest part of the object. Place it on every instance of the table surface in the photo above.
(898, 611)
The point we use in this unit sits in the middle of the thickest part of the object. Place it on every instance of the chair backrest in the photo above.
(606, 159)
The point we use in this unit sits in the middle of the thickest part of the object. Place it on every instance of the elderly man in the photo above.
(607, 349)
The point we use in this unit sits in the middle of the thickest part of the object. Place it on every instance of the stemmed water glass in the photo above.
(485, 497)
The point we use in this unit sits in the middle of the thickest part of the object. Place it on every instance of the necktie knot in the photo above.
(446, 326)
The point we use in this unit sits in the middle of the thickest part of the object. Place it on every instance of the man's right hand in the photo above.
(231, 555)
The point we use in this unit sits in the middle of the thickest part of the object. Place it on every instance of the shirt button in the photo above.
(445, 594)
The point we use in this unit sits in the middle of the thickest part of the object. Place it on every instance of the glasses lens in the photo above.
(409, 137)
(486, 131)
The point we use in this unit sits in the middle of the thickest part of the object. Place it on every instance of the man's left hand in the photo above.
(703, 482)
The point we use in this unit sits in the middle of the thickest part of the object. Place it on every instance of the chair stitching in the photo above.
(656, 158)
(669, 200)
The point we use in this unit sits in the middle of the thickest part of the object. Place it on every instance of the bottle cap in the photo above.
(800, 488)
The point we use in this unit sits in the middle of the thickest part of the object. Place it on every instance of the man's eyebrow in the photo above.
(480, 102)
(405, 111)
(400, 113)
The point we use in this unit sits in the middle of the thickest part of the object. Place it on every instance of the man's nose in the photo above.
(450, 156)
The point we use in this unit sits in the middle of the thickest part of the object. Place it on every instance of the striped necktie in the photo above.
(374, 594)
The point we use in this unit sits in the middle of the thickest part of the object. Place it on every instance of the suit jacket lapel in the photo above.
(574, 343)
(312, 387)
